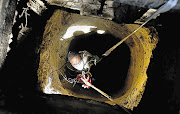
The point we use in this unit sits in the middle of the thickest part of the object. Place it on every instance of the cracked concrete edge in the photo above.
(86, 7)
(89, 7)
(7, 12)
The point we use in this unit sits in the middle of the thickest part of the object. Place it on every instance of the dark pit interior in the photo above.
(110, 73)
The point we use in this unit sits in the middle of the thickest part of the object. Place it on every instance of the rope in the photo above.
(120, 42)
(164, 8)
(104, 94)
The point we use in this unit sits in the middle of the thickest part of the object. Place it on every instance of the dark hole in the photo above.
(110, 73)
